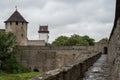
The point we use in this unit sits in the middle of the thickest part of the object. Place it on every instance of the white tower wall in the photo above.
(44, 36)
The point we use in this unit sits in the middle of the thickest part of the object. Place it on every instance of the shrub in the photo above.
(13, 67)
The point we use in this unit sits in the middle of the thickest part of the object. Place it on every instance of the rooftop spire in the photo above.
(16, 8)
(16, 17)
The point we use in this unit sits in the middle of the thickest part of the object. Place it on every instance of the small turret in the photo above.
(43, 33)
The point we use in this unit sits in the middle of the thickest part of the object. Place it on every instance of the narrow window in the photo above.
(10, 23)
(22, 35)
(16, 23)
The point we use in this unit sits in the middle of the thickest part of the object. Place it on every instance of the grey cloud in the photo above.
(69, 1)
(64, 17)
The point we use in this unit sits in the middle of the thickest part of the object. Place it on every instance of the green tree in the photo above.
(7, 50)
(7, 45)
(60, 41)
(103, 41)
(74, 40)
(89, 41)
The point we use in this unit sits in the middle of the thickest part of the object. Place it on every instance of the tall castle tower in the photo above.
(18, 26)
(43, 33)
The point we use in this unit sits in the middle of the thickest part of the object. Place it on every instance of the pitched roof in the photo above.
(16, 16)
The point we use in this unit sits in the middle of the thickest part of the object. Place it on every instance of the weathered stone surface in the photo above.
(114, 46)
(99, 70)
(71, 72)
(49, 58)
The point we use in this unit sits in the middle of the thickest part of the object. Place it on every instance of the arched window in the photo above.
(105, 50)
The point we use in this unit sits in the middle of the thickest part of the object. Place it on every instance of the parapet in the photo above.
(36, 43)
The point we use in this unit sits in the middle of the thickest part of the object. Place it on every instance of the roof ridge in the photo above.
(16, 16)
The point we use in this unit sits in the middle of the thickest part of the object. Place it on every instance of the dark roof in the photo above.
(16, 16)
(43, 29)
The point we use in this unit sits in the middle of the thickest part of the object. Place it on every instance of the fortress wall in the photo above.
(49, 58)
(114, 46)
(59, 47)
(36, 43)
(114, 53)
(71, 72)
(37, 59)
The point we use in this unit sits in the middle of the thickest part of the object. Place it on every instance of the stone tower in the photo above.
(43, 33)
(18, 26)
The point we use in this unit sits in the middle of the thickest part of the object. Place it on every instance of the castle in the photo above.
(18, 26)
(48, 58)
(35, 55)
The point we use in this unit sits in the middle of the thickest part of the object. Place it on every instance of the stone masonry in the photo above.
(75, 71)
(50, 58)
(114, 46)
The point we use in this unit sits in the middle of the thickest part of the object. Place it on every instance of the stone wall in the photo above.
(36, 43)
(49, 58)
(71, 72)
(19, 30)
(114, 52)
(114, 46)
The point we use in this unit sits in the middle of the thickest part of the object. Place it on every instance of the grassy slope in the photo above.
(22, 76)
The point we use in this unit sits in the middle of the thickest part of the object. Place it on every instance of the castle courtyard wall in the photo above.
(114, 53)
(49, 58)
(75, 71)
(114, 46)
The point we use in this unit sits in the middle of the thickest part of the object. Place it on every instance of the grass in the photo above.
(21, 76)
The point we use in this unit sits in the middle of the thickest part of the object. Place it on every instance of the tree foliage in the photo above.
(7, 50)
(103, 41)
(7, 45)
(60, 41)
(74, 40)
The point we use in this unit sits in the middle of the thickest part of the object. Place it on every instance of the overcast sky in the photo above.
(64, 17)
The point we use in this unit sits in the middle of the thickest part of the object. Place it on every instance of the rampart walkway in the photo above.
(71, 72)
(99, 70)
